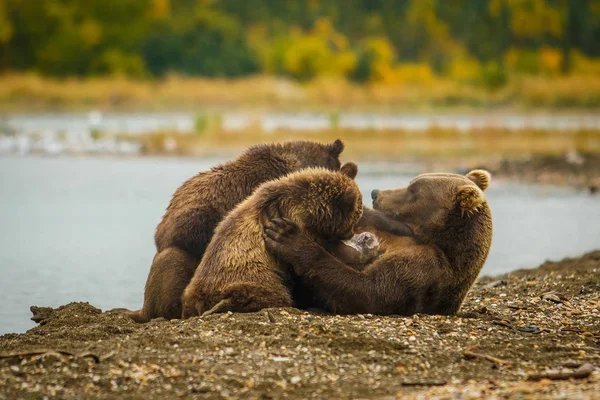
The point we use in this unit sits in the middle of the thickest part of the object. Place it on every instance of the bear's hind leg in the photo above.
(171, 271)
(251, 297)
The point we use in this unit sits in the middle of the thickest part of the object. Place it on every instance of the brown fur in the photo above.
(236, 266)
(201, 203)
(429, 273)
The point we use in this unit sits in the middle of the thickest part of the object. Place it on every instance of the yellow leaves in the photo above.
(344, 62)
(381, 49)
(584, 65)
(530, 18)
(91, 32)
(421, 11)
(117, 63)
(380, 55)
(422, 15)
(306, 58)
(495, 7)
(511, 58)
(6, 28)
(534, 18)
(420, 73)
(257, 32)
(383, 68)
(160, 9)
(323, 27)
(547, 60)
(550, 60)
(322, 51)
(464, 69)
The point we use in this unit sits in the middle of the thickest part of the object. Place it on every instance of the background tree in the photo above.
(365, 40)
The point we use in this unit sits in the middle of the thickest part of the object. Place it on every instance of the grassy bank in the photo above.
(570, 158)
(516, 336)
(433, 143)
(31, 92)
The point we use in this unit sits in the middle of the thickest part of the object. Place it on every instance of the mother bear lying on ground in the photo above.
(429, 273)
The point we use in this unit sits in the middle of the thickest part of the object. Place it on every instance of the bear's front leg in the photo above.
(289, 244)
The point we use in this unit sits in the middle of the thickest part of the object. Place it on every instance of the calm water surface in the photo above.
(82, 229)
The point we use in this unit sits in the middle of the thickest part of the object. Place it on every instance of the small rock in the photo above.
(495, 284)
(529, 328)
(199, 388)
(552, 297)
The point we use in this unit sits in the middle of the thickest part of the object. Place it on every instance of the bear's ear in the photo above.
(346, 199)
(481, 177)
(336, 148)
(469, 199)
(349, 169)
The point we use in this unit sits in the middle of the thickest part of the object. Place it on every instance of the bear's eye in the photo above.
(414, 193)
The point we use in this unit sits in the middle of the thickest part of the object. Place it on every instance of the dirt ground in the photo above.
(510, 329)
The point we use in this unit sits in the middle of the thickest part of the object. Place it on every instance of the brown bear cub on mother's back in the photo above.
(200, 204)
(237, 273)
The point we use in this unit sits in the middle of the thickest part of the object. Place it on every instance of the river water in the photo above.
(143, 123)
(81, 229)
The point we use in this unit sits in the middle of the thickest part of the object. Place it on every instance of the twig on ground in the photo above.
(580, 373)
(44, 352)
(425, 383)
(472, 355)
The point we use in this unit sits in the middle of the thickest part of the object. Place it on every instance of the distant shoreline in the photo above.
(580, 171)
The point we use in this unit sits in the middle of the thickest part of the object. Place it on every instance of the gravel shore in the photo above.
(528, 334)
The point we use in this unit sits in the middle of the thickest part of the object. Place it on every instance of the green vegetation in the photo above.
(200, 123)
(477, 42)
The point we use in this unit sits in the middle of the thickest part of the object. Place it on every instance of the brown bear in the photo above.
(429, 273)
(200, 204)
(237, 273)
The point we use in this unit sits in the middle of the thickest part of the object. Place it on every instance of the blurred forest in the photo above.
(386, 41)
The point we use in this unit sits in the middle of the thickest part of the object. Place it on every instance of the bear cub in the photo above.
(237, 273)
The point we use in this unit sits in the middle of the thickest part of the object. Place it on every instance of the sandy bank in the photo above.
(510, 329)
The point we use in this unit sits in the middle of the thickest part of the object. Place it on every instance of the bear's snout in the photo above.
(374, 194)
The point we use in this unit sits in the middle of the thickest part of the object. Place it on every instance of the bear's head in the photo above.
(326, 204)
(432, 202)
(306, 154)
